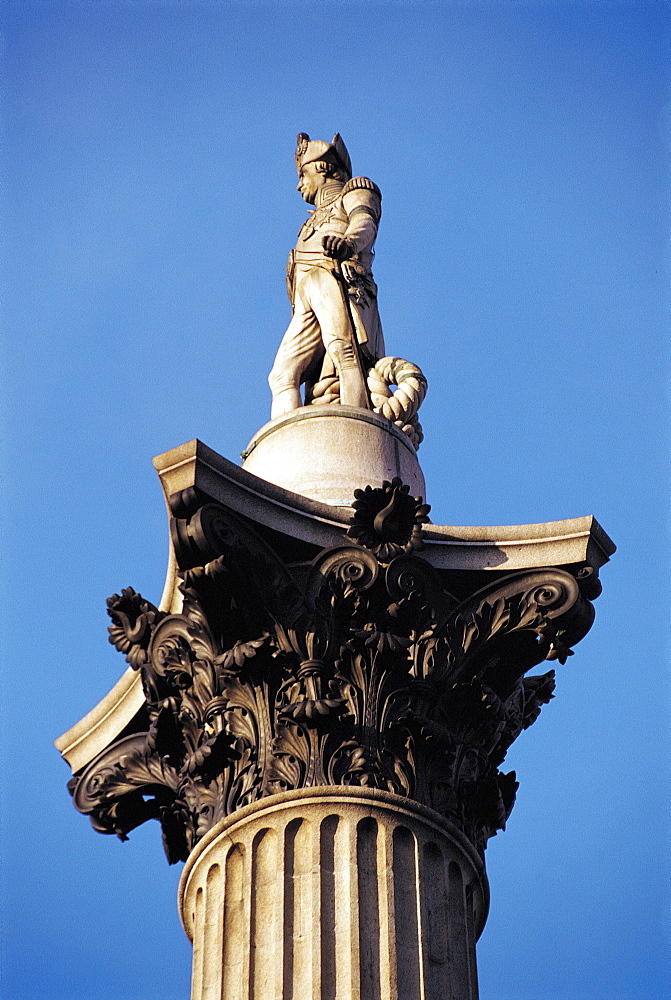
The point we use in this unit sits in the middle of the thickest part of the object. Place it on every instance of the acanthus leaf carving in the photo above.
(370, 673)
(133, 619)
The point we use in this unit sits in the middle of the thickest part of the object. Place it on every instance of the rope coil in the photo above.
(399, 407)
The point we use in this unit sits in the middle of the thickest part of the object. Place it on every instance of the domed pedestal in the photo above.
(326, 452)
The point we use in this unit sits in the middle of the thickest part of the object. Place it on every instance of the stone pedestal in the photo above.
(326, 452)
(334, 894)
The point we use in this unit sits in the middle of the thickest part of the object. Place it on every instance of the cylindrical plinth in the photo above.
(326, 452)
(334, 893)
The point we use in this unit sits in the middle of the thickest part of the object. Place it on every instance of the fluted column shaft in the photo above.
(334, 894)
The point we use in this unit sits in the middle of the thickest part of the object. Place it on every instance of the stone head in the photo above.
(318, 162)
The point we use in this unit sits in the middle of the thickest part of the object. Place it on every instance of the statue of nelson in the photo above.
(335, 324)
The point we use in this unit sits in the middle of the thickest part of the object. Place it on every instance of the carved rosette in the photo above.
(363, 672)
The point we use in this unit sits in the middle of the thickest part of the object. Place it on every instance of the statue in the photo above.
(334, 343)
(333, 296)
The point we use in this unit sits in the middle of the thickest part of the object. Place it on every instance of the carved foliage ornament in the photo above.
(370, 674)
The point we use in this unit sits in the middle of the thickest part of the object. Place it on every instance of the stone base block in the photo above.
(334, 893)
(326, 452)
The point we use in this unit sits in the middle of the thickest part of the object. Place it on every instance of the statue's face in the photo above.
(309, 182)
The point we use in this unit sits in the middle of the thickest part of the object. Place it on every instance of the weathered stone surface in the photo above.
(327, 452)
(334, 894)
(317, 713)
(357, 664)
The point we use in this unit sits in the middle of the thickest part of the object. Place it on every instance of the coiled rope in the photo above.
(400, 407)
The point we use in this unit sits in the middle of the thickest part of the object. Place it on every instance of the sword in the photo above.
(354, 340)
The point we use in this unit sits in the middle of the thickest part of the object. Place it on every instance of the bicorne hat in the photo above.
(310, 151)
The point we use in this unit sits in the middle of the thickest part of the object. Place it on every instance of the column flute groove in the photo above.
(331, 894)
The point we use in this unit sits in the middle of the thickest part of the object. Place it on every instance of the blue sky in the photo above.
(149, 200)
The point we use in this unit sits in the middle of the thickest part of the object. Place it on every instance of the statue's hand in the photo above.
(337, 247)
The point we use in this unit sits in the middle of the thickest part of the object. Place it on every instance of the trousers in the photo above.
(321, 322)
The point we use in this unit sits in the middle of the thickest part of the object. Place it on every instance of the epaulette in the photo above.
(361, 183)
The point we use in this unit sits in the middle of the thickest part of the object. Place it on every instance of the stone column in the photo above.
(317, 713)
(334, 894)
